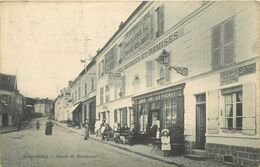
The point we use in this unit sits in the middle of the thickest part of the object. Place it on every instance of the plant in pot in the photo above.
(177, 138)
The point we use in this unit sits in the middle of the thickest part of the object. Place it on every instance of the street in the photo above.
(32, 148)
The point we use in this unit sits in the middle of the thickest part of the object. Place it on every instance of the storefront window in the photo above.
(233, 109)
(142, 109)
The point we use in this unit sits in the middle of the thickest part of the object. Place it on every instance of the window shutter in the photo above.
(212, 112)
(167, 76)
(216, 47)
(249, 117)
(149, 68)
(229, 41)
(161, 15)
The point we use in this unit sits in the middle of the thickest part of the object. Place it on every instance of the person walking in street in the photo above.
(38, 125)
(166, 142)
(86, 126)
(48, 128)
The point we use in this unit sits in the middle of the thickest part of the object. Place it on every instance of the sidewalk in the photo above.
(10, 129)
(150, 152)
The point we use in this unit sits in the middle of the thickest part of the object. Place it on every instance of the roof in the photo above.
(8, 82)
(121, 27)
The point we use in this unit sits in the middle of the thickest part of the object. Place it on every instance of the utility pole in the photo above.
(86, 39)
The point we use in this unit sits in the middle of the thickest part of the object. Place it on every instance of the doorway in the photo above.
(5, 119)
(200, 121)
(154, 122)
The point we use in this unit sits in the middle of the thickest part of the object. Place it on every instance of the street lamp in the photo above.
(164, 60)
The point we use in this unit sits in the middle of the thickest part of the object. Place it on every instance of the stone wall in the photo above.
(237, 155)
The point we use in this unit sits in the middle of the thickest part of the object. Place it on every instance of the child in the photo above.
(166, 142)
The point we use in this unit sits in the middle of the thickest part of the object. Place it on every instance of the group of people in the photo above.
(116, 133)
(48, 126)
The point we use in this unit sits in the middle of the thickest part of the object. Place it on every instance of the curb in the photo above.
(8, 131)
(24, 124)
(123, 148)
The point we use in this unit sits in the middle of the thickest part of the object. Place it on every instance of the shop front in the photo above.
(89, 112)
(158, 110)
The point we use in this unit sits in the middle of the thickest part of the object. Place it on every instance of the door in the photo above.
(153, 122)
(200, 121)
(5, 119)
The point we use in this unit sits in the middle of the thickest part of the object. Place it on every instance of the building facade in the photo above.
(189, 64)
(63, 104)
(43, 106)
(11, 101)
(83, 94)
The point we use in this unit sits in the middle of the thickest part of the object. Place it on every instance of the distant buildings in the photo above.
(63, 104)
(11, 101)
(83, 95)
(43, 106)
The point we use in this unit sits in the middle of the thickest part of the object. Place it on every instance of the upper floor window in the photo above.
(107, 94)
(101, 68)
(149, 74)
(79, 93)
(121, 52)
(101, 95)
(159, 20)
(223, 45)
(86, 89)
(92, 83)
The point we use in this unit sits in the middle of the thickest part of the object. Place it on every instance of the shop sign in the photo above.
(247, 69)
(228, 77)
(231, 76)
(152, 50)
(140, 34)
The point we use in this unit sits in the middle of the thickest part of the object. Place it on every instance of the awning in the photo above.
(73, 108)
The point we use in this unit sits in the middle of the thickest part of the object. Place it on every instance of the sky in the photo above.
(43, 42)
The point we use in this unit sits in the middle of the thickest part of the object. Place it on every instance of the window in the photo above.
(121, 49)
(86, 89)
(143, 117)
(123, 116)
(223, 45)
(115, 115)
(101, 68)
(111, 58)
(123, 85)
(159, 20)
(92, 83)
(101, 95)
(79, 92)
(107, 94)
(149, 70)
(233, 111)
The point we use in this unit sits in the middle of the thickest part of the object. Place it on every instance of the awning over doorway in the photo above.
(73, 108)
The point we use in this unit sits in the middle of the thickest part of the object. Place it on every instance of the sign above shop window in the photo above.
(231, 76)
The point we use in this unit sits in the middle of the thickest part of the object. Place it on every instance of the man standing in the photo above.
(86, 126)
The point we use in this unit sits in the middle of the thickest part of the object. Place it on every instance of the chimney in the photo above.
(70, 83)
(121, 24)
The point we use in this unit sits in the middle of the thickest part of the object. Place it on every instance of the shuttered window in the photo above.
(212, 108)
(222, 44)
(160, 20)
(233, 111)
(149, 69)
(249, 109)
(101, 95)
